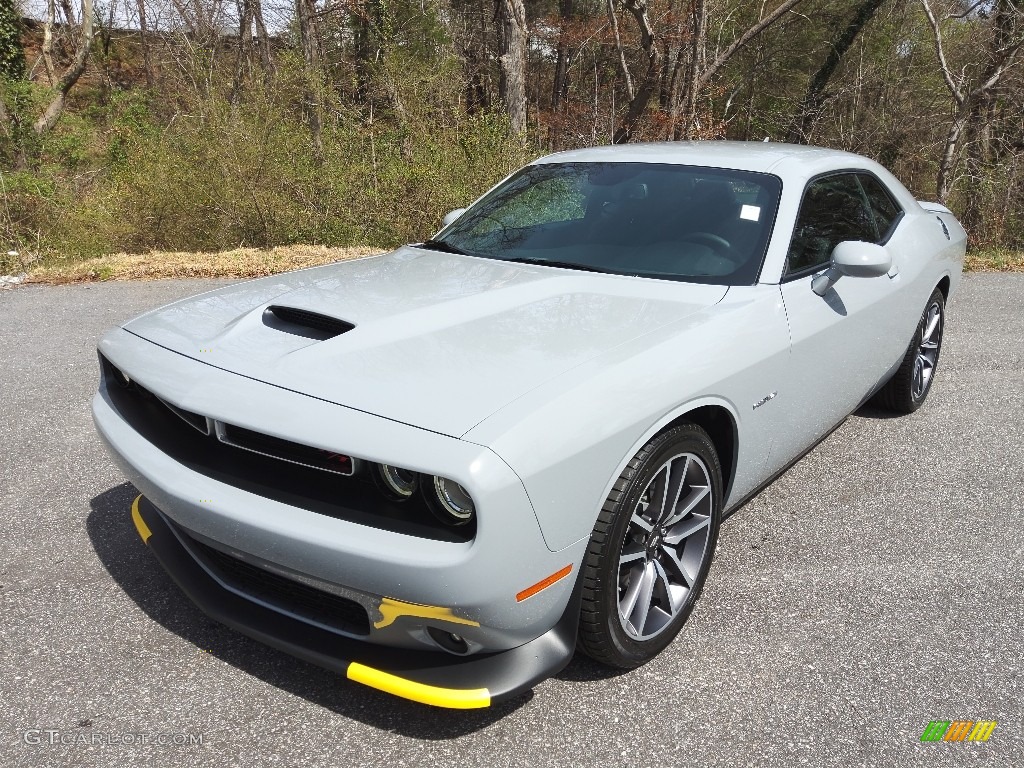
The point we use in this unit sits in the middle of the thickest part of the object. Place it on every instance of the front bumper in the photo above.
(476, 581)
(428, 677)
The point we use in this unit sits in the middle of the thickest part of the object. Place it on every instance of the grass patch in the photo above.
(241, 262)
(994, 260)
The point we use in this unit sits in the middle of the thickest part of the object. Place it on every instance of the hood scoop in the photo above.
(302, 322)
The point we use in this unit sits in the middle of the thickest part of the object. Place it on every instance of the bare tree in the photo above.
(684, 89)
(262, 38)
(812, 102)
(512, 83)
(563, 56)
(243, 55)
(614, 21)
(970, 100)
(649, 84)
(70, 76)
(143, 33)
(700, 75)
(306, 14)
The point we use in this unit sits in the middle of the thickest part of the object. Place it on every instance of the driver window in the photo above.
(833, 210)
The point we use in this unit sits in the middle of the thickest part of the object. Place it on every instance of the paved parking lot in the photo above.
(875, 587)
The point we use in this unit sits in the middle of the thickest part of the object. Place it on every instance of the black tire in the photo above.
(603, 633)
(907, 390)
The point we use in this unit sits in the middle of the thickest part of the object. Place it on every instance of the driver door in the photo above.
(841, 342)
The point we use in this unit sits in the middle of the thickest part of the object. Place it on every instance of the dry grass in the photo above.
(994, 260)
(242, 262)
(255, 262)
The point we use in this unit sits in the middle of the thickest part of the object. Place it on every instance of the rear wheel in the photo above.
(906, 391)
(651, 548)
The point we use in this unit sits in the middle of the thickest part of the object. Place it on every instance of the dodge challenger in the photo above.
(441, 471)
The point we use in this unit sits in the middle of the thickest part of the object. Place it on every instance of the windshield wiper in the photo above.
(564, 264)
(441, 245)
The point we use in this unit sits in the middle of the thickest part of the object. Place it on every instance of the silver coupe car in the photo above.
(442, 470)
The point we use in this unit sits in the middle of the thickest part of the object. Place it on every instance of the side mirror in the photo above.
(452, 216)
(857, 259)
(853, 259)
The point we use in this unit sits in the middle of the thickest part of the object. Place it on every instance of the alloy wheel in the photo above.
(665, 545)
(927, 350)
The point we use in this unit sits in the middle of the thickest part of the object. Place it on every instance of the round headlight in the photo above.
(396, 483)
(449, 501)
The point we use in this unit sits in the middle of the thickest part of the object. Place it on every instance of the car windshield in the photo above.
(674, 222)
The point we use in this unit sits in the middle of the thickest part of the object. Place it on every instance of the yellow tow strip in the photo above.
(453, 698)
(140, 524)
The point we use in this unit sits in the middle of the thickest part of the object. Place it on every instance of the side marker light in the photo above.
(544, 583)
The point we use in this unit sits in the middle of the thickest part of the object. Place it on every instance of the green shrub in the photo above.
(12, 55)
(222, 177)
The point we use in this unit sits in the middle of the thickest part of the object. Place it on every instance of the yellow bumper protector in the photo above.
(140, 524)
(453, 698)
(391, 609)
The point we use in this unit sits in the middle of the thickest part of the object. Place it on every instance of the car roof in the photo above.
(759, 156)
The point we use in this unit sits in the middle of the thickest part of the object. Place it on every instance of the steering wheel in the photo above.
(718, 244)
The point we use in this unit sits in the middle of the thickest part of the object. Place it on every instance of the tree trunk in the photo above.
(562, 58)
(684, 129)
(978, 164)
(364, 45)
(47, 48)
(613, 19)
(1001, 52)
(107, 32)
(311, 56)
(70, 76)
(814, 99)
(686, 104)
(948, 160)
(512, 84)
(698, 75)
(143, 30)
(262, 38)
(649, 84)
(243, 56)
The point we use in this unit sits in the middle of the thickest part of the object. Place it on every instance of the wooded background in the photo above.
(206, 124)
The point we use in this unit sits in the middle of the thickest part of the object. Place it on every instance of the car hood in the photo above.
(440, 341)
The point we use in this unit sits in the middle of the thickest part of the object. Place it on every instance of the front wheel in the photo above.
(906, 391)
(651, 548)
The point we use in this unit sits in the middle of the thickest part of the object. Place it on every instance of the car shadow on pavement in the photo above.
(869, 411)
(583, 669)
(142, 578)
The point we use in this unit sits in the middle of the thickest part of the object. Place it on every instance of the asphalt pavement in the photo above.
(875, 587)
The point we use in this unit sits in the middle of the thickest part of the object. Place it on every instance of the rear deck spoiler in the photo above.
(934, 207)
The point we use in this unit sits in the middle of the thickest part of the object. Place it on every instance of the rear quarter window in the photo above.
(883, 206)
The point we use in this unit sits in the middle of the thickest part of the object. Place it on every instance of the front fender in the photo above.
(569, 441)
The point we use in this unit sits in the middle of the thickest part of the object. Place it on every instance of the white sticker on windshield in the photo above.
(750, 212)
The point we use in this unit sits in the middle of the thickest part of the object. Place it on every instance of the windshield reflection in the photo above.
(675, 222)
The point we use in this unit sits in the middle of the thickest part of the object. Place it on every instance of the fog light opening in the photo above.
(396, 483)
(449, 641)
(120, 377)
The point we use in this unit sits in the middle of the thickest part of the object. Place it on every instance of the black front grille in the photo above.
(286, 450)
(284, 593)
(190, 418)
(320, 326)
(270, 468)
